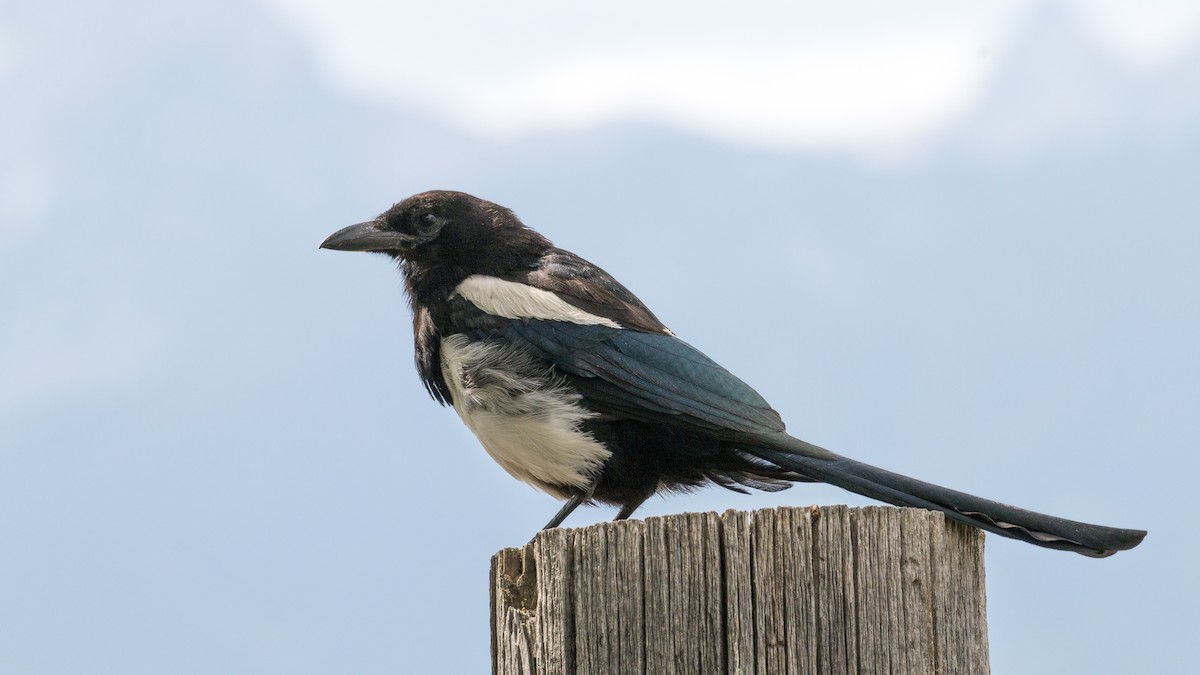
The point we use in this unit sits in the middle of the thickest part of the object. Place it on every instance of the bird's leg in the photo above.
(632, 505)
(572, 504)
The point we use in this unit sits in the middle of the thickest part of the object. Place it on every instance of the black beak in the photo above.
(369, 236)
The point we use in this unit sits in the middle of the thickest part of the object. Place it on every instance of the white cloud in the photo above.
(821, 95)
(852, 75)
(1147, 34)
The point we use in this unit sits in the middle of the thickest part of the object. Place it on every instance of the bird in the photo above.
(575, 387)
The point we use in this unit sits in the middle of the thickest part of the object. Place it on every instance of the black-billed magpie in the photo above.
(575, 387)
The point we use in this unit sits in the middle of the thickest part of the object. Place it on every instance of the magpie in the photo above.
(575, 387)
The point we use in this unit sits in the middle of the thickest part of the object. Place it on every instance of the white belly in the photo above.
(526, 420)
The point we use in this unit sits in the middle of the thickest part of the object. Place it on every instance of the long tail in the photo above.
(818, 463)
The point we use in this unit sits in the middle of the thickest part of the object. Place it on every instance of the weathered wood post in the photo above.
(792, 590)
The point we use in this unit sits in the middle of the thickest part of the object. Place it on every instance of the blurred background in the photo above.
(957, 241)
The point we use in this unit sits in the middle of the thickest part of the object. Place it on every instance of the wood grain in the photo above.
(791, 590)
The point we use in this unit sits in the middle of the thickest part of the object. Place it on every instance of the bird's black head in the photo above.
(453, 232)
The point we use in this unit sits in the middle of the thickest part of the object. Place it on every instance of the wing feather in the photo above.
(649, 376)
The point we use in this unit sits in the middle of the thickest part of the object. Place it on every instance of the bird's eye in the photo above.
(428, 222)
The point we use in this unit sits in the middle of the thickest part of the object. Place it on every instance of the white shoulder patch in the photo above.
(513, 300)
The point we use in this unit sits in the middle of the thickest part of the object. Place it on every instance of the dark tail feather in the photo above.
(815, 462)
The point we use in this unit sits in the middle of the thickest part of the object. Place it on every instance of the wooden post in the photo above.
(791, 590)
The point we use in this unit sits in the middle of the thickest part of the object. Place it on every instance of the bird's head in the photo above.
(442, 237)
(438, 226)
